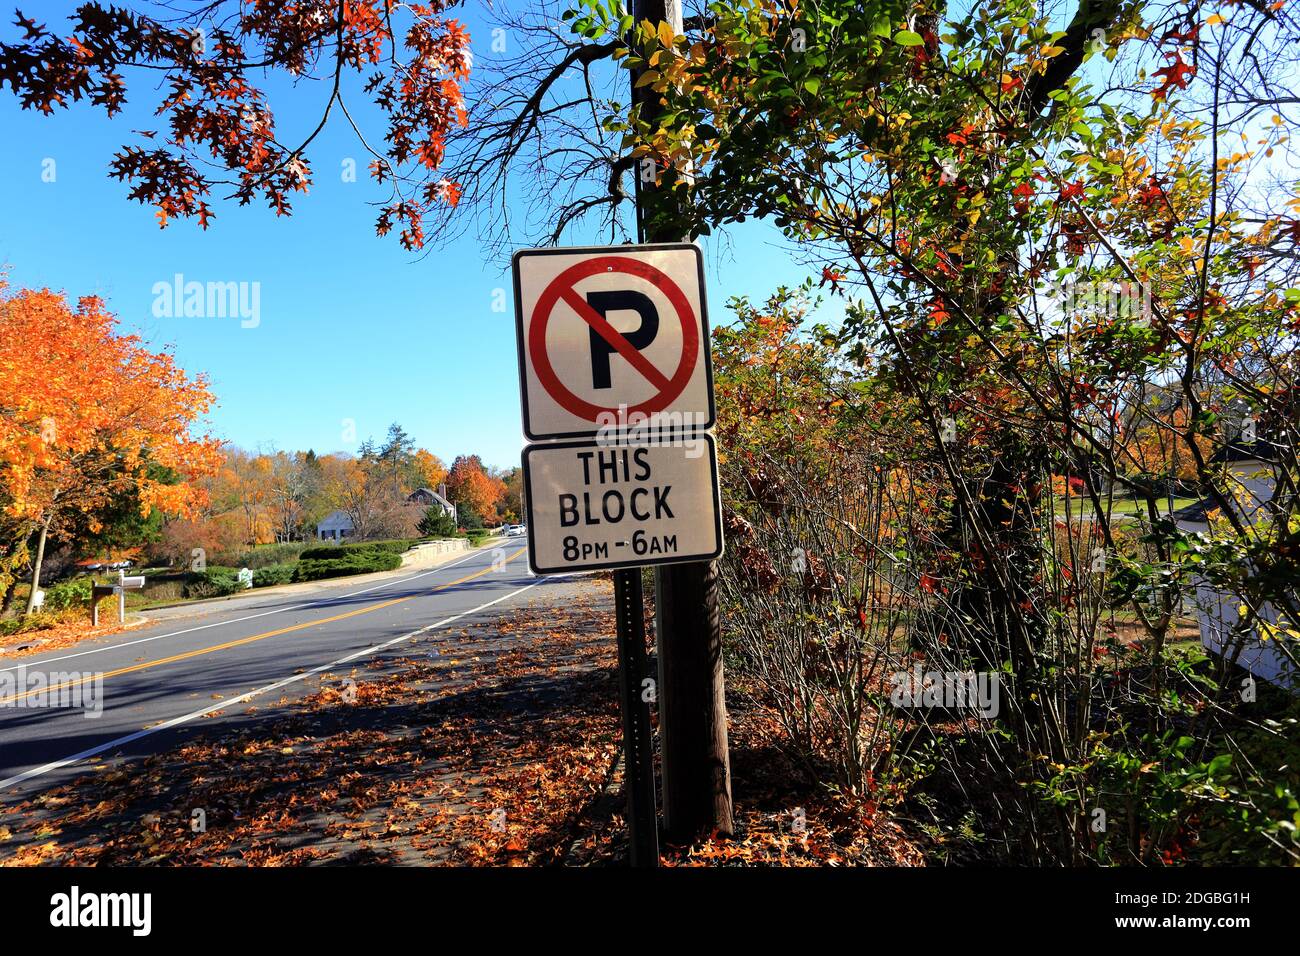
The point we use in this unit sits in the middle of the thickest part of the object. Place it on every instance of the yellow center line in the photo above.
(198, 652)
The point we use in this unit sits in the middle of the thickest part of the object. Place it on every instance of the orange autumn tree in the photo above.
(428, 469)
(87, 417)
(470, 486)
(208, 69)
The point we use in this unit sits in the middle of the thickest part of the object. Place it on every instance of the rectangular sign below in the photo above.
(593, 506)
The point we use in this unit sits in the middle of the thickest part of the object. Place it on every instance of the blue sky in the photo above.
(352, 328)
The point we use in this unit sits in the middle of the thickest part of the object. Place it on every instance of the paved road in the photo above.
(163, 681)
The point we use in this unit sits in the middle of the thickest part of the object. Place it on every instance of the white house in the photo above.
(433, 499)
(1251, 469)
(335, 526)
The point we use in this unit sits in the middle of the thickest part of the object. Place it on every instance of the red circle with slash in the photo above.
(562, 288)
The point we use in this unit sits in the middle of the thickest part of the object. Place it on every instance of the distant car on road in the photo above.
(103, 565)
(517, 531)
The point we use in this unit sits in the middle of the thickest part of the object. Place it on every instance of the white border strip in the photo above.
(244, 698)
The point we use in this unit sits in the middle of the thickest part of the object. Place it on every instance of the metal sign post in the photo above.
(97, 592)
(638, 740)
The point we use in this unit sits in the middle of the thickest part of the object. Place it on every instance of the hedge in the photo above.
(335, 551)
(23, 625)
(396, 546)
(273, 574)
(325, 552)
(214, 582)
(355, 562)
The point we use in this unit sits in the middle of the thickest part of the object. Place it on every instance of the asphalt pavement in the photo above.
(142, 690)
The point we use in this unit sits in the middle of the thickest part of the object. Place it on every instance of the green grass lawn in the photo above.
(1120, 508)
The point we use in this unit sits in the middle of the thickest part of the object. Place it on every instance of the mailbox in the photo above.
(119, 589)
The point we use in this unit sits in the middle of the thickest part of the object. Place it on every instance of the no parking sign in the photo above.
(611, 334)
(614, 346)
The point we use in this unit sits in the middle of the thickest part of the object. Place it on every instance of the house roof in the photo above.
(428, 492)
(335, 519)
(1257, 450)
(1196, 513)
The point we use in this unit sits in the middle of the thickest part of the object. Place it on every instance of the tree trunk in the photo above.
(36, 565)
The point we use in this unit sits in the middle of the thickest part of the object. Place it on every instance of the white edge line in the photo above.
(237, 620)
(257, 692)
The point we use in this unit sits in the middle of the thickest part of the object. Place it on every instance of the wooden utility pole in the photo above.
(692, 705)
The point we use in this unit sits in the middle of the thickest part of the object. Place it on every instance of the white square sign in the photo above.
(612, 336)
(593, 505)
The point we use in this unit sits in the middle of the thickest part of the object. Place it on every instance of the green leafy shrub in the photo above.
(324, 552)
(22, 625)
(355, 562)
(72, 593)
(396, 545)
(436, 523)
(44, 621)
(214, 582)
(273, 574)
